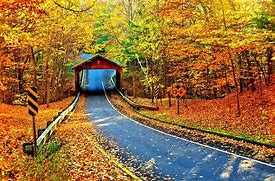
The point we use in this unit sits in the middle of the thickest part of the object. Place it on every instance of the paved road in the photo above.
(173, 156)
(178, 158)
(93, 80)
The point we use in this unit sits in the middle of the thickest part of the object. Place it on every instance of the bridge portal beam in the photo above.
(97, 62)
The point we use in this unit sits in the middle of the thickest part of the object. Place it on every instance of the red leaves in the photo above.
(15, 5)
(256, 119)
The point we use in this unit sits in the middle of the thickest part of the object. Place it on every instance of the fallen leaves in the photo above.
(68, 155)
(239, 147)
(16, 128)
(85, 161)
(256, 120)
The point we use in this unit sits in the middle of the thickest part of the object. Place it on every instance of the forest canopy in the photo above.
(210, 47)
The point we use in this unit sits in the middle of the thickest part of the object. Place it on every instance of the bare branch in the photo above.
(73, 10)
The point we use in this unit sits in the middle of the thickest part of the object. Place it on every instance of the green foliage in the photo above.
(51, 148)
(50, 162)
(263, 20)
(69, 69)
(48, 150)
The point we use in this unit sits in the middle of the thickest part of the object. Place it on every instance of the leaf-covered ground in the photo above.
(256, 121)
(16, 128)
(85, 161)
(67, 156)
(239, 147)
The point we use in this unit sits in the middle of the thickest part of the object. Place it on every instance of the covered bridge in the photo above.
(97, 62)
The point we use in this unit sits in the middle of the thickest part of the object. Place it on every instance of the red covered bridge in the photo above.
(97, 62)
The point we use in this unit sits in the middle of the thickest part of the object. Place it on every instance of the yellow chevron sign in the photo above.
(32, 101)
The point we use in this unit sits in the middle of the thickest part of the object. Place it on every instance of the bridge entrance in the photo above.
(97, 62)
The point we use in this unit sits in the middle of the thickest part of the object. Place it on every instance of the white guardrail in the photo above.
(132, 103)
(123, 96)
(50, 129)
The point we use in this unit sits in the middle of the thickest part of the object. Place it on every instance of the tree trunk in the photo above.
(63, 83)
(170, 103)
(134, 84)
(152, 93)
(241, 74)
(250, 74)
(260, 69)
(57, 87)
(52, 82)
(269, 52)
(17, 70)
(47, 92)
(161, 95)
(236, 85)
(34, 68)
(261, 88)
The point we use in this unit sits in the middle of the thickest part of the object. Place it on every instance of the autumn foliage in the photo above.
(211, 48)
(28, 5)
(219, 115)
(16, 125)
(67, 155)
(215, 116)
(220, 51)
(39, 44)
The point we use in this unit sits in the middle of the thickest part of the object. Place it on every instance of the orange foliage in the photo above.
(256, 120)
(200, 114)
(16, 128)
(76, 158)
(86, 162)
(14, 5)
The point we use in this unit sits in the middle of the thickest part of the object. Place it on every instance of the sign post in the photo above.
(169, 97)
(178, 92)
(178, 105)
(156, 89)
(33, 111)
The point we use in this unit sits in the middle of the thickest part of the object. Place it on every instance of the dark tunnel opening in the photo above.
(95, 79)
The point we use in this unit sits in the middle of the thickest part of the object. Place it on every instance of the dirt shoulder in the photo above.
(238, 147)
(83, 159)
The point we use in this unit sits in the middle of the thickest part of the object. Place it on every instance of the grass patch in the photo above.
(50, 162)
(51, 148)
(48, 150)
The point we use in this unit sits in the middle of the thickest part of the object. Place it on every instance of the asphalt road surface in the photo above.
(171, 156)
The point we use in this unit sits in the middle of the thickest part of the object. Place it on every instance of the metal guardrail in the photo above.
(132, 103)
(50, 129)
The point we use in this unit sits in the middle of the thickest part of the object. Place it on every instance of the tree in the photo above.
(41, 40)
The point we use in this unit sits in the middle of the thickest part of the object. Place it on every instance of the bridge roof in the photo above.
(94, 58)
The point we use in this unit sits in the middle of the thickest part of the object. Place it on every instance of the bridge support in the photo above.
(118, 80)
